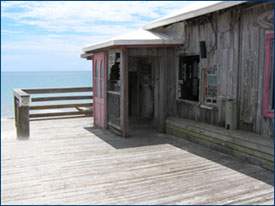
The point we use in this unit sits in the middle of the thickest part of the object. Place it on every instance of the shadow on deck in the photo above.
(69, 162)
(148, 137)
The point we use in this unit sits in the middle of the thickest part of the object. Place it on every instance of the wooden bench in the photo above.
(244, 145)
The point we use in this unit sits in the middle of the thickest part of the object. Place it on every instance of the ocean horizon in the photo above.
(37, 79)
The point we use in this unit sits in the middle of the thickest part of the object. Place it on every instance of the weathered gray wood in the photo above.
(58, 90)
(253, 147)
(124, 93)
(19, 93)
(171, 78)
(235, 44)
(22, 96)
(163, 89)
(15, 105)
(21, 110)
(53, 114)
(69, 162)
(58, 98)
(156, 66)
(23, 125)
(58, 106)
(22, 105)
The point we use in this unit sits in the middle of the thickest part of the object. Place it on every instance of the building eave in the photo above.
(191, 14)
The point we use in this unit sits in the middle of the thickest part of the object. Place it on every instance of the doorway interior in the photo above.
(141, 92)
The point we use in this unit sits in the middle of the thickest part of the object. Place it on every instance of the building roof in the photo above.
(143, 37)
(138, 37)
(191, 11)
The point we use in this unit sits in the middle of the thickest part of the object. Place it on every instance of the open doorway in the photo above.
(141, 91)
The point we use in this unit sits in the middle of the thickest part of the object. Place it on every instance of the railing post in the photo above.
(22, 101)
(22, 107)
(15, 102)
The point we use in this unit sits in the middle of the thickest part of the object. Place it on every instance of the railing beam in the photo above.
(58, 90)
(55, 114)
(59, 106)
(22, 107)
(58, 98)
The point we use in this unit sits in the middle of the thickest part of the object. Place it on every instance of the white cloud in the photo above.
(83, 16)
(64, 28)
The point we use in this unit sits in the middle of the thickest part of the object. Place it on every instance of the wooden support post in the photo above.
(163, 89)
(124, 93)
(23, 127)
(21, 109)
(15, 103)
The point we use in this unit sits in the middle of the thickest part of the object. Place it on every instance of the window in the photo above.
(211, 85)
(114, 72)
(188, 78)
(268, 93)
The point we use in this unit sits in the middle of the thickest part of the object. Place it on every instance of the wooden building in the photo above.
(212, 65)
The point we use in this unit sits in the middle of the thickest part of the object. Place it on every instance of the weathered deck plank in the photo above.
(69, 162)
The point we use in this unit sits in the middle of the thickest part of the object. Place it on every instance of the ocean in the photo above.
(11, 80)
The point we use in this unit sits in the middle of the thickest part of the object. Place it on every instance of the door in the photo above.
(146, 91)
(99, 89)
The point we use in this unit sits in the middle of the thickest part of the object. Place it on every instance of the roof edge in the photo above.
(112, 43)
(191, 14)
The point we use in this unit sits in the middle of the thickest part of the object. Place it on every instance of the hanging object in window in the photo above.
(211, 85)
(188, 78)
(114, 72)
(203, 49)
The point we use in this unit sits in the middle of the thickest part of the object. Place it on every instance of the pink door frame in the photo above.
(267, 76)
(99, 89)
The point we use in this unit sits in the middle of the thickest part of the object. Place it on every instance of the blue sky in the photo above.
(48, 36)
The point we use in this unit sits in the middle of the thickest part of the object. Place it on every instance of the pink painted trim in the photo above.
(99, 90)
(94, 90)
(105, 80)
(267, 75)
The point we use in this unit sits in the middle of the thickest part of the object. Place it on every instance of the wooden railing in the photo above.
(23, 106)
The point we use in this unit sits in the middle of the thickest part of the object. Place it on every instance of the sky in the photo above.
(49, 36)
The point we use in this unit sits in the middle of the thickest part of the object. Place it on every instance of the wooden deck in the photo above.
(69, 162)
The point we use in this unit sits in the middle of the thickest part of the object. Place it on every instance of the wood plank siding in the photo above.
(163, 61)
(235, 42)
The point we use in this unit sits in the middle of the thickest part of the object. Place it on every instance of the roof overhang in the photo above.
(191, 11)
(139, 38)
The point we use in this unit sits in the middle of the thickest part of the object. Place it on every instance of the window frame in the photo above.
(267, 112)
(206, 86)
(179, 55)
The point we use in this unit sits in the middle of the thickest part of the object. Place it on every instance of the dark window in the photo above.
(188, 78)
(114, 72)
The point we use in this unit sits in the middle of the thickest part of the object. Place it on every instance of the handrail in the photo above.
(23, 99)
(57, 90)
(43, 99)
